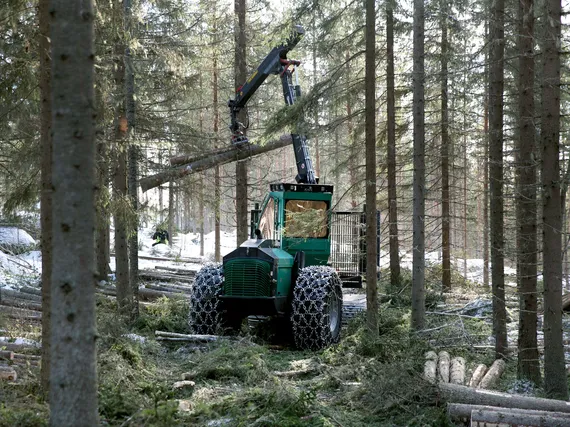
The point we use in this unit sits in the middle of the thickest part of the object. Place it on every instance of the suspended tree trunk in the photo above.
(391, 147)
(418, 288)
(528, 357)
(555, 383)
(133, 164)
(496, 84)
(73, 379)
(46, 195)
(241, 166)
(370, 131)
(445, 200)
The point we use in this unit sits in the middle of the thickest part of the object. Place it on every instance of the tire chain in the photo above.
(205, 310)
(309, 311)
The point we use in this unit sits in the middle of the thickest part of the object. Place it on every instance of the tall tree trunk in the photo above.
(465, 170)
(496, 84)
(352, 159)
(445, 200)
(73, 379)
(370, 131)
(528, 357)
(171, 196)
(133, 164)
(103, 229)
(391, 148)
(217, 181)
(486, 179)
(418, 259)
(241, 166)
(555, 383)
(46, 195)
(201, 178)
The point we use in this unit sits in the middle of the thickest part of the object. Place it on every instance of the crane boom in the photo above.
(276, 62)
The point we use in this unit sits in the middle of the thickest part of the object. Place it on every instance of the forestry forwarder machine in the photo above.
(282, 270)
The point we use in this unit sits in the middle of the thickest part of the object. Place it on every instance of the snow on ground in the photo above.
(14, 236)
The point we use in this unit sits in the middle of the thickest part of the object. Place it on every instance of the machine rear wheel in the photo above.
(316, 312)
(205, 303)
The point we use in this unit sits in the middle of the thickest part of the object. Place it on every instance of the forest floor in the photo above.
(251, 380)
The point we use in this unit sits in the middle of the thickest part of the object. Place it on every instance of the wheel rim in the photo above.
(334, 312)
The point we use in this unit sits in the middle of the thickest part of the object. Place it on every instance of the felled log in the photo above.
(473, 396)
(443, 366)
(180, 271)
(478, 375)
(462, 412)
(151, 294)
(9, 293)
(457, 371)
(493, 374)
(510, 418)
(8, 374)
(232, 155)
(295, 374)
(147, 274)
(21, 313)
(167, 288)
(30, 290)
(430, 366)
(185, 159)
(18, 343)
(21, 303)
(162, 335)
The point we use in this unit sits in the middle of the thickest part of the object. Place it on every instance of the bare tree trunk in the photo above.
(170, 212)
(241, 166)
(217, 181)
(133, 165)
(73, 379)
(445, 200)
(352, 159)
(496, 84)
(465, 170)
(201, 179)
(103, 232)
(370, 131)
(555, 383)
(418, 285)
(46, 195)
(486, 179)
(391, 146)
(528, 357)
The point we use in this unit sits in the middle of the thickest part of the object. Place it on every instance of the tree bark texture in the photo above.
(103, 216)
(496, 85)
(46, 195)
(528, 358)
(555, 382)
(493, 374)
(171, 196)
(478, 375)
(445, 142)
(241, 166)
(443, 366)
(462, 412)
(73, 379)
(418, 275)
(217, 180)
(133, 155)
(391, 148)
(370, 132)
(216, 160)
(509, 417)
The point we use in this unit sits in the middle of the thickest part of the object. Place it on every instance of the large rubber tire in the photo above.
(316, 309)
(205, 304)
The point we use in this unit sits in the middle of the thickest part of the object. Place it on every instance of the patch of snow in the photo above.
(137, 338)
(20, 341)
(15, 236)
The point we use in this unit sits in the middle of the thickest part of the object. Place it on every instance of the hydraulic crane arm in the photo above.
(276, 63)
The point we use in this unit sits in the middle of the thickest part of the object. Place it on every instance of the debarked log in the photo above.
(462, 412)
(514, 418)
(235, 154)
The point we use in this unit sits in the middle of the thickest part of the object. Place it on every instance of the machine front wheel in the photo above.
(316, 312)
(205, 303)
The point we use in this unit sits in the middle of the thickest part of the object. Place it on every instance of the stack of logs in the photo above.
(470, 403)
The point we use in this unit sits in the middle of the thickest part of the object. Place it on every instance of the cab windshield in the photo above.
(306, 218)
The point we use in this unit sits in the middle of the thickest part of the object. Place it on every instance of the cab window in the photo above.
(267, 220)
(306, 218)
